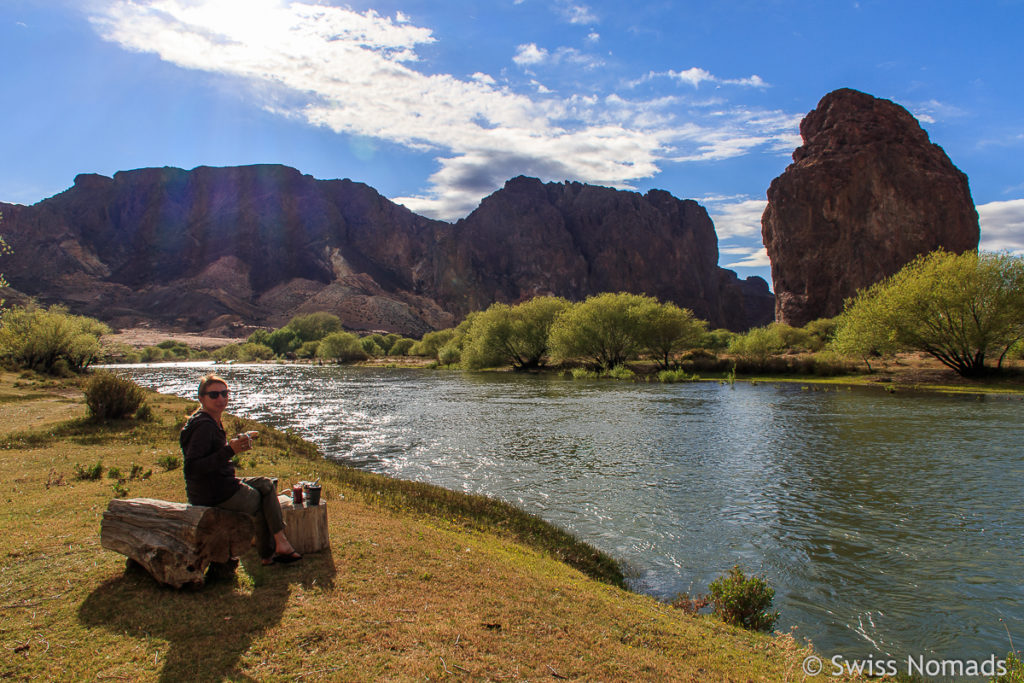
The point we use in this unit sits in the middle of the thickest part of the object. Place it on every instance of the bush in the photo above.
(1014, 670)
(90, 473)
(449, 355)
(341, 347)
(169, 462)
(742, 601)
(583, 373)
(672, 376)
(50, 341)
(307, 350)
(621, 372)
(371, 347)
(109, 397)
(145, 413)
(755, 346)
(283, 341)
(432, 343)
(313, 326)
(401, 347)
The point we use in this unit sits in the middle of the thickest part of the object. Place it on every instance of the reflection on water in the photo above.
(888, 524)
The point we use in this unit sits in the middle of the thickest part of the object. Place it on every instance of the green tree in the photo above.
(313, 326)
(958, 308)
(757, 344)
(401, 347)
(664, 329)
(50, 340)
(283, 341)
(512, 335)
(604, 329)
(432, 342)
(717, 339)
(370, 346)
(341, 347)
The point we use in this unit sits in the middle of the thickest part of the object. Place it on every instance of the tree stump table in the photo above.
(305, 525)
(174, 542)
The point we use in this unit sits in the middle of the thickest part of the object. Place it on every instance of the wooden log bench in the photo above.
(175, 542)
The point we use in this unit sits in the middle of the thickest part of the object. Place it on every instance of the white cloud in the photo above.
(577, 13)
(756, 258)
(529, 54)
(1002, 226)
(593, 37)
(356, 74)
(735, 217)
(694, 76)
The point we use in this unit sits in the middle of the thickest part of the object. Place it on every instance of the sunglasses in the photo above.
(216, 394)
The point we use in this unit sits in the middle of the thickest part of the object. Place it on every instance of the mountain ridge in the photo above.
(217, 248)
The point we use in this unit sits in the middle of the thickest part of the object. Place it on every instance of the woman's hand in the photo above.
(241, 443)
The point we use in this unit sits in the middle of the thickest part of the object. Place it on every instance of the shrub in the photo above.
(250, 351)
(691, 604)
(341, 347)
(757, 344)
(50, 340)
(401, 347)
(307, 350)
(671, 376)
(371, 347)
(109, 397)
(145, 413)
(169, 462)
(449, 355)
(621, 372)
(583, 373)
(313, 326)
(1014, 670)
(743, 601)
(717, 340)
(283, 341)
(432, 343)
(90, 473)
(115, 473)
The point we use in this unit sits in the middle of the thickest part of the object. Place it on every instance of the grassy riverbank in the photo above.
(419, 583)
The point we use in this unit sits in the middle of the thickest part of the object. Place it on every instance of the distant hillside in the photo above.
(220, 248)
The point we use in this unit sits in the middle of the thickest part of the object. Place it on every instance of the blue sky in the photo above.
(436, 104)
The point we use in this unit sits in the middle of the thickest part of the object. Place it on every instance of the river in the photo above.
(889, 524)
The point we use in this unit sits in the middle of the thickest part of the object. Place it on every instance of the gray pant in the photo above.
(257, 496)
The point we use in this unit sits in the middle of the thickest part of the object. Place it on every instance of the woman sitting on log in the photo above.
(210, 473)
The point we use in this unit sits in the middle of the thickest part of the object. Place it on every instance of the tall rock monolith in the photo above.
(866, 193)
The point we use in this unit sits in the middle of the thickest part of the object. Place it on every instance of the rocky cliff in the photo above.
(866, 193)
(213, 248)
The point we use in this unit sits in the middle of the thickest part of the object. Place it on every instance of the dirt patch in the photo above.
(141, 337)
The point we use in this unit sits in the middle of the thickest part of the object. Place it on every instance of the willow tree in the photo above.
(961, 309)
(512, 335)
(665, 329)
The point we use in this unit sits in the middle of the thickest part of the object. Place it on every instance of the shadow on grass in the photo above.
(83, 431)
(208, 629)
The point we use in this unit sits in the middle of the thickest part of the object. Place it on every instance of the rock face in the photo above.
(217, 249)
(865, 194)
